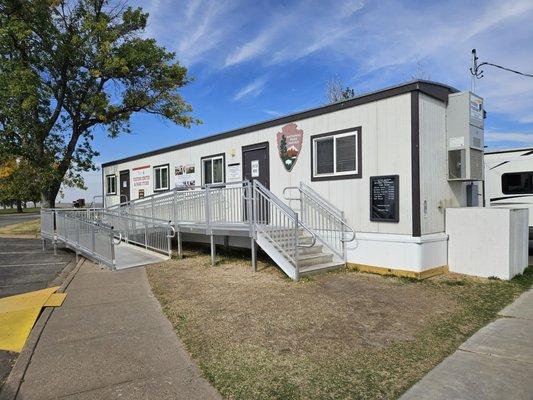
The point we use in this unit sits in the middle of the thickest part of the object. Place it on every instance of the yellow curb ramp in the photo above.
(18, 315)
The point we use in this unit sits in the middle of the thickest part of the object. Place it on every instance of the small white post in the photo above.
(213, 250)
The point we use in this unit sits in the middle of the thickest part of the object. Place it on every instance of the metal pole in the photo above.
(175, 217)
(145, 237)
(344, 249)
(296, 267)
(213, 250)
(112, 239)
(169, 244)
(178, 234)
(207, 210)
(93, 239)
(254, 254)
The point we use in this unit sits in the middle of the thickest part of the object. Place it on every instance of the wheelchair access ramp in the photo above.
(301, 244)
(109, 238)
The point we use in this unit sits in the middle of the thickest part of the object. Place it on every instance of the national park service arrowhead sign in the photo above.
(290, 141)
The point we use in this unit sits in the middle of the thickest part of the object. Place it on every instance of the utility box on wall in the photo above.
(464, 136)
(487, 242)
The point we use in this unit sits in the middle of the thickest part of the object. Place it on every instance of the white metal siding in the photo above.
(386, 149)
(435, 189)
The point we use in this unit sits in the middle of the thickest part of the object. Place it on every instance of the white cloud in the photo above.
(193, 29)
(515, 137)
(254, 88)
(377, 42)
(299, 30)
(272, 113)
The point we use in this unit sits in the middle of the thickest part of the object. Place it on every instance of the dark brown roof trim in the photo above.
(433, 89)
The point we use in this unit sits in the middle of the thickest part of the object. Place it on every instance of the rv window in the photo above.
(335, 155)
(213, 169)
(517, 183)
(111, 183)
(161, 177)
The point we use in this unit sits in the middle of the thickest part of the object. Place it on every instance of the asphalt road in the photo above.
(9, 219)
(24, 267)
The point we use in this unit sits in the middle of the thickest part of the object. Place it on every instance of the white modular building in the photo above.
(390, 162)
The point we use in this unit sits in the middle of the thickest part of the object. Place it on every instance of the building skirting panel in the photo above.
(399, 252)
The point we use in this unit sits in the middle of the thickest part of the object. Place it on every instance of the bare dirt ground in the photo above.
(344, 335)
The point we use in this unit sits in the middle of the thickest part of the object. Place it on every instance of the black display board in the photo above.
(385, 198)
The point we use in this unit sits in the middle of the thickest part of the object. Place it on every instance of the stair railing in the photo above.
(279, 224)
(326, 220)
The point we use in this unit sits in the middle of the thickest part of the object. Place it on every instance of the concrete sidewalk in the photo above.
(495, 363)
(110, 340)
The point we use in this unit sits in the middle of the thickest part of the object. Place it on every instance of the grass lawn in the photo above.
(342, 335)
(14, 210)
(31, 227)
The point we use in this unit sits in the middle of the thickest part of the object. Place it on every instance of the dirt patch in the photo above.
(338, 335)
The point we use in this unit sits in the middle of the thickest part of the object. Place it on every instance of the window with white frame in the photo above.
(111, 184)
(213, 169)
(336, 155)
(161, 177)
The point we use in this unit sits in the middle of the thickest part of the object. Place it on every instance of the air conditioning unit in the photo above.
(464, 137)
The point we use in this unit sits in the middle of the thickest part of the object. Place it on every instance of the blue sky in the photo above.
(255, 60)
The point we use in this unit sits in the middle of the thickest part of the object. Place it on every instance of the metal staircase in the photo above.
(303, 242)
(290, 242)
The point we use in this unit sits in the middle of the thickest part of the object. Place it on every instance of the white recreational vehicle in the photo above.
(509, 179)
(384, 164)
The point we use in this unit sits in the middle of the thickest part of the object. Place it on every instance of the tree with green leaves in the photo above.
(17, 183)
(69, 69)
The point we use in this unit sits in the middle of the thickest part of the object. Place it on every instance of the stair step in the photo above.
(306, 240)
(314, 259)
(310, 250)
(320, 268)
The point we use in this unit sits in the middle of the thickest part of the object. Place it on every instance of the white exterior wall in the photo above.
(386, 147)
(386, 150)
(435, 189)
(487, 241)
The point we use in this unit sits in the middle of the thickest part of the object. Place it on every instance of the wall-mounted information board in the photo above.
(385, 198)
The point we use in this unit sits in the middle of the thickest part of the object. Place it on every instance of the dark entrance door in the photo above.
(255, 165)
(124, 182)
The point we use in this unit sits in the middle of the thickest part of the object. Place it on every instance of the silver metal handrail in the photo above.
(96, 240)
(47, 223)
(215, 205)
(318, 197)
(328, 207)
(279, 224)
(150, 233)
(324, 218)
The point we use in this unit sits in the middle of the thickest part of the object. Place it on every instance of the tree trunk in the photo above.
(19, 206)
(48, 197)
